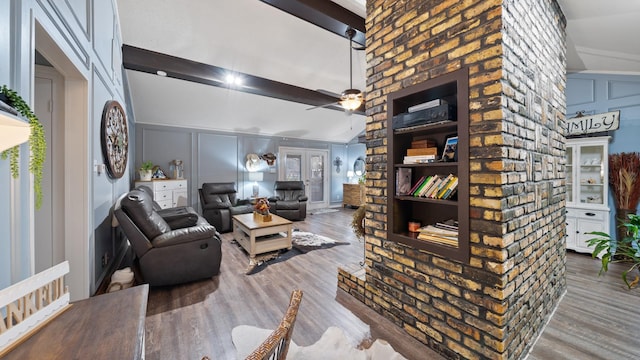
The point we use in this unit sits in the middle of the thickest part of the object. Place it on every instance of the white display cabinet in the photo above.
(587, 194)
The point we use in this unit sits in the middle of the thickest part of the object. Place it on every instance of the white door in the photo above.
(311, 167)
(48, 222)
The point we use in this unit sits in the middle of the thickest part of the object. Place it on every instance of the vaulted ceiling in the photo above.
(269, 46)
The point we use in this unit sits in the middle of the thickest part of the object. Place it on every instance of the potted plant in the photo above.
(146, 171)
(624, 179)
(37, 143)
(613, 249)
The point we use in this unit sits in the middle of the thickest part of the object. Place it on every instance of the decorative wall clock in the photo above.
(115, 138)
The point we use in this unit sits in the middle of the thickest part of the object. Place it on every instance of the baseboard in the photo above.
(115, 265)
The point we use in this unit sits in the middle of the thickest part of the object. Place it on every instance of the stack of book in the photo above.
(435, 186)
(422, 151)
(442, 233)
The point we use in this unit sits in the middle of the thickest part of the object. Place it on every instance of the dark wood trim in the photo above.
(150, 62)
(325, 14)
(400, 209)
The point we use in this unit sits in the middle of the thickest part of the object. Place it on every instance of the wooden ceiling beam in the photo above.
(151, 62)
(325, 14)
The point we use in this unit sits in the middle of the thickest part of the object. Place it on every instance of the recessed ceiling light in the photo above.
(233, 79)
(161, 73)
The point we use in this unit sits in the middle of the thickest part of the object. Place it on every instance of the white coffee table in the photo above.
(259, 237)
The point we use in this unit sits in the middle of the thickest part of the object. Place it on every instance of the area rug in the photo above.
(333, 344)
(322, 211)
(302, 243)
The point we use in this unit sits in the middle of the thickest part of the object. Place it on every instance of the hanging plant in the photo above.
(37, 144)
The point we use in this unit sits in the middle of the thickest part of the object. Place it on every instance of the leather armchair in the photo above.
(219, 204)
(168, 255)
(176, 217)
(289, 200)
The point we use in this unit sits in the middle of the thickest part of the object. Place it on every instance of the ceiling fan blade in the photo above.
(329, 93)
(323, 106)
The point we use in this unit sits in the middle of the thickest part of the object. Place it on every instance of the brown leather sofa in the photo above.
(289, 200)
(177, 248)
(219, 204)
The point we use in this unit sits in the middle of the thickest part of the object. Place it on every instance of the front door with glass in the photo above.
(310, 166)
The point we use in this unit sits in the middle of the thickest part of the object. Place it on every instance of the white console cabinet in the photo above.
(587, 174)
(168, 193)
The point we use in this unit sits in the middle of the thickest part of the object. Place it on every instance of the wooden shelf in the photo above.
(454, 89)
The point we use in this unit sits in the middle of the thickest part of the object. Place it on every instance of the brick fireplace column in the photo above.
(494, 305)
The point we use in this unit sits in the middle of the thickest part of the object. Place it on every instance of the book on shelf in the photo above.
(416, 185)
(424, 184)
(422, 151)
(419, 159)
(403, 179)
(428, 187)
(451, 190)
(443, 189)
(447, 225)
(450, 195)
(434, 192)
(436, 234)
(439, 239)
(434, 230)
(426, 105)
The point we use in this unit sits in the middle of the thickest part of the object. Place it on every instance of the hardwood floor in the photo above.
(193, 320)
(598, 318)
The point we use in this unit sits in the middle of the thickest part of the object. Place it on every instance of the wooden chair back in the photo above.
(276, 346)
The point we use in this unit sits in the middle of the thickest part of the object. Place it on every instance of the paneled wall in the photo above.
(81, 38)
(599, 93)
(210, 156)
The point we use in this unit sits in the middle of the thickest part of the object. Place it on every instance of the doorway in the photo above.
(48, 107)
(309, 166)
(71, 165)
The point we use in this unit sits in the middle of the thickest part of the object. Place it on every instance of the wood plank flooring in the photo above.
(598, 318)
(193, 320)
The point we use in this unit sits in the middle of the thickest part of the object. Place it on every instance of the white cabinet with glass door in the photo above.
(587, 183)
(309, 166)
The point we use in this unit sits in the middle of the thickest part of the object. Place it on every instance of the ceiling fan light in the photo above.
(351, 99)
(350, 104)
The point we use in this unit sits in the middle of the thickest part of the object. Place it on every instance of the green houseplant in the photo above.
(146, 171)
(37, 144)
(613, 249)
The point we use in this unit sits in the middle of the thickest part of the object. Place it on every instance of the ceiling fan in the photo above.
(350, 99)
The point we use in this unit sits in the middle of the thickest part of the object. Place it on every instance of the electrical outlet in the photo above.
(105, 259)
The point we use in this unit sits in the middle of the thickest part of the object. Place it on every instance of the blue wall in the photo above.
(83, 38)
(599, 93)
(211, 156)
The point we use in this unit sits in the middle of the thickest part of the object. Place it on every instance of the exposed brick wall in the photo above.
(494, 306)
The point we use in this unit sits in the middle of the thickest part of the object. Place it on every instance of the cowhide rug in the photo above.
(302, 243)
(334, 344)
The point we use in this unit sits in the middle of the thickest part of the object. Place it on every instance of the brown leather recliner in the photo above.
(289, 200)
(219, 204)
(188, 250)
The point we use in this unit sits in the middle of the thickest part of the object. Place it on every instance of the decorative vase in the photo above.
(145, 175)
(621, 217)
